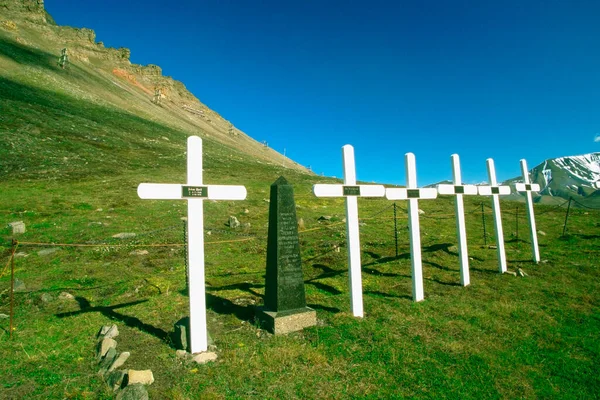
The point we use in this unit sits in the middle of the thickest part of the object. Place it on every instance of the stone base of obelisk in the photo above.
(283, 322)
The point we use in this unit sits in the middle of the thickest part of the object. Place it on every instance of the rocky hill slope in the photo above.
(572, 176)
(49, 106)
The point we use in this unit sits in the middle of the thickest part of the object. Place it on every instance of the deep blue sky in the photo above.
(501, 79)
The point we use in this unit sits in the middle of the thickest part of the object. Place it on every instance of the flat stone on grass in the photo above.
(143, 377)
(119, 361)
(203, 358)
(124, 235)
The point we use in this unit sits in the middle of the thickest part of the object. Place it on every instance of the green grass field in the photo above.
(70, 165)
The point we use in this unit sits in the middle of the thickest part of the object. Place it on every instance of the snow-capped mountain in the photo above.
(572, 176)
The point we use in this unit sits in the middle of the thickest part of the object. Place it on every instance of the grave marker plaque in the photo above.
(285, 302)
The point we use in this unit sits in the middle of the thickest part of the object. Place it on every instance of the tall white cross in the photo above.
(351, 191)
(413, 194)
(494, 190)
(195, 193)
(528, 187)
(458, 189)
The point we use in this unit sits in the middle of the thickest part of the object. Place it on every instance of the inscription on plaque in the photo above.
(194, 191)
(459, 189)
(495, 190)
(527, 187)
(351, 190)
(413, 193)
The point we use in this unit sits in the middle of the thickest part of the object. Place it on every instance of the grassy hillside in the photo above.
(71, 160)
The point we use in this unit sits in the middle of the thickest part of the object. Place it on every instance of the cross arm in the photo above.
(527, 187)
(333, 190)
(408, 193)
(456, 189)
(490, 190)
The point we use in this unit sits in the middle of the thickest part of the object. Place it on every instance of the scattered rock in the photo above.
(520, 272)
(17, 227)
(46, 298)
(103, 347)
(181, 354)
(421, 212)
(21, 255)
(99, 210)
(300, 223)
(246, 211)
(246, 225)
(492, 247)
(453, 249)
(46, 252)
(139, 253)
(124, 235)
(266, 200)
(107, 361)
(324, 218)
(513, 273)
(66, 296)
(541, 233)
(144, 377)
(233, 222)
(119, 361)
(133, 392)
(108, 332)
(19, 286)
(115, 379)
(544, 261)
(203, 358)
(4, 316)
(180, 336)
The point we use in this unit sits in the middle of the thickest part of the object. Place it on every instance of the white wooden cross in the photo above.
(528, 187)
(195, 193)
(494, 190)
(413, 194)
(458, 189)
(351, 191)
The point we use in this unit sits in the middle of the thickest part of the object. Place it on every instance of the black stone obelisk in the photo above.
(285, 302)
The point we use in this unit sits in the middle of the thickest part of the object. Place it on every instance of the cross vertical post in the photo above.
(351, 191)
(458, 189)
(412, 193)
(495, 191)
(528, 187)
(195, 193)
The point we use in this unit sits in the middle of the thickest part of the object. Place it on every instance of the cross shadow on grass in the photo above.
(109, 312)
(224, 306)
(327, 273)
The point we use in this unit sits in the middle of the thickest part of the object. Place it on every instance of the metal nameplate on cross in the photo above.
(495, 191)
(527, 187)
(195, 192)
(413, 194)
(458, 189)
(351, 191)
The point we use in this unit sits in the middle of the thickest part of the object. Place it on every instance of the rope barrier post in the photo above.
(12, 286)
(517, 224)
(483, 222)
(567, 217)
(185, 256)
(395, 230)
